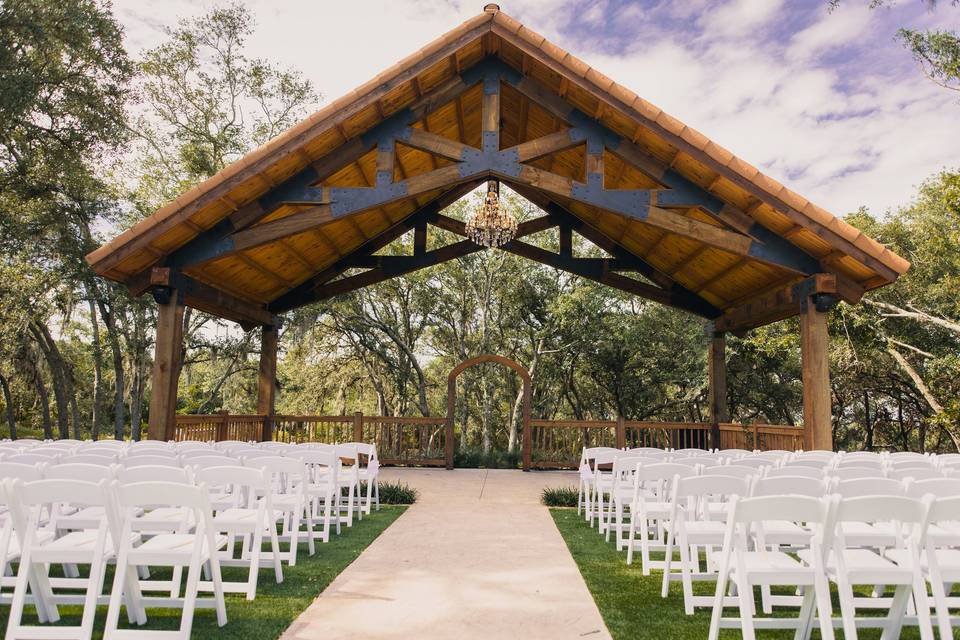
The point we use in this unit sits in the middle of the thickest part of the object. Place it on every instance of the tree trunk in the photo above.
(44, 405)
(8, 404)
(96, 416)
(118, 406)
(57, 377)
(867, 422)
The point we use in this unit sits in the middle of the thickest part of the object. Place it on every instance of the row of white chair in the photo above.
(163, 516)
(682, 500)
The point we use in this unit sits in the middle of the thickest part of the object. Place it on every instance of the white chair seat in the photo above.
(863, 534)
(13, 550)
(947, 559)
(864, 562)
(175, 543)
(774, 567)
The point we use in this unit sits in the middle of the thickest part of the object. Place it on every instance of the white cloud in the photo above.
(739, 17)
(833, 29)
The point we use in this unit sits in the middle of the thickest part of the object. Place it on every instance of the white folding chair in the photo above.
(939, 560)
(746, 568)
(179, 548)
(693, 500)
(247, 519)
(602, 482)
(848, 565)
(621, 494)
(288, 481)
(348, 477)
(734, 470)
(322, 489)
(93, 546)
(650, 507)
(369, 475)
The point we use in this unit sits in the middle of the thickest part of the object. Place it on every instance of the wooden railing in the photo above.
(219, 426)
(554, 444)
(557, 444)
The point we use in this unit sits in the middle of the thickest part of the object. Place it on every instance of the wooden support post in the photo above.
(814, 347)
(621, 435)
(358, 426)
(267, 380)
(717, 367)
(166, 365)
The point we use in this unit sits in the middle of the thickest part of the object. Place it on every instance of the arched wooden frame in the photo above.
(452, 400)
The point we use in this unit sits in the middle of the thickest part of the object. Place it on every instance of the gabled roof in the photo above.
(645, 152)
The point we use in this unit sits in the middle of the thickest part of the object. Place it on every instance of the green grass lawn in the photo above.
(630, 602)
(276, 605)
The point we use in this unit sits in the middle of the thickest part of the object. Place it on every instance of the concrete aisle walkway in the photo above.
(476, 557)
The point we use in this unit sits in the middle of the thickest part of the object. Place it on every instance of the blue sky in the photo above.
(826, 102)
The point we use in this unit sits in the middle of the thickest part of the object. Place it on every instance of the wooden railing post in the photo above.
(621, 433)
(448, 439)
(755, 440)
(358, 426)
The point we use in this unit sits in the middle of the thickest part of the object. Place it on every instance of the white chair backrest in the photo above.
(31, 458)
(736, 453)
(809, 463)
(794, 470)
(699, 491)
(210, 460)
(939, 487)
(152, 452)
(924, 462)
(100, 459)
(185, 499)
(790, 485)
(28, 472)
(151, 461)
(244, 483)
(251, 454)
(916, 473)
(79, 471)
(758, 461)
(747, 511)
(857, 473)
(868, 487)
(321, 465)
(365, 449)
(859, 463)
(194, 445)
(732, 470)
(153, 473)
(908, 512)
(690, 452)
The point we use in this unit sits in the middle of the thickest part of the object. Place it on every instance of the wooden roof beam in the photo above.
(779, 304)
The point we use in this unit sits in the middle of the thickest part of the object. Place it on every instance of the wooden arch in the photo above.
(452, 400)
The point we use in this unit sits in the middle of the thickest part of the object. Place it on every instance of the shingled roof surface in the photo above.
(261, 274)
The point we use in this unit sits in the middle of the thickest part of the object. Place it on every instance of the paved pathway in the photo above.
(476, 557)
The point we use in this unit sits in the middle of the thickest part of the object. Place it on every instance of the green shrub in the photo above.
(475, 458)
(394, 493)
(559, 496)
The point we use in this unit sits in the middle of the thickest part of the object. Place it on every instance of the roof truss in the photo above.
(737, 233)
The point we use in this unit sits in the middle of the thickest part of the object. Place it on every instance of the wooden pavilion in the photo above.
(683, 221)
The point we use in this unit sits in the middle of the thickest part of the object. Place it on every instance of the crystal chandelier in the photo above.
(490, 225)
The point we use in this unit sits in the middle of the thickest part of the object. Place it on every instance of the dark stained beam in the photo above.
(209, 299)
(597, 271)
(305, 292)
(779, 304)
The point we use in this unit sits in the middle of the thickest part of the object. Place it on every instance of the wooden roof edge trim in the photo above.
(291, 140)
(631, 103)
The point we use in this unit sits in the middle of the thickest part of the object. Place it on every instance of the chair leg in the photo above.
(631, 536)
(944, 626)
(805, 617)
(686, 578)
(254, 573)
(901, 596)
(668, 562)
(848, 609)
(824, 606)
(746, 611)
